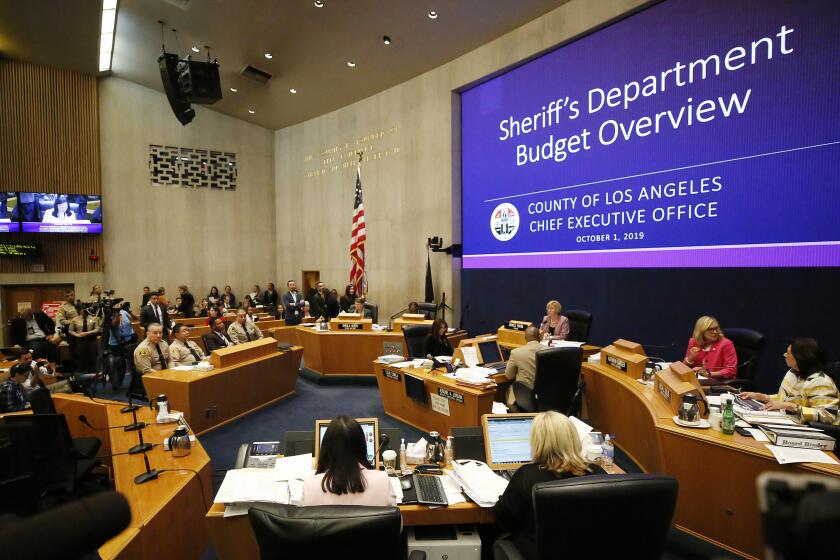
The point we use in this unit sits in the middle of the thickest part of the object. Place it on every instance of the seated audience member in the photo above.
(153, 353)
(243, 330)
(248, 302)
(186, 307)
(83, 333)
(557, 455)
(256, 295)
(344, 476)
(522, 364)
(218, 337)
(806, 389)
(554, 325)
(30, 329)
(436, 343)
(12, 394)
(413, 308)
(252, 315)
(359, 307)
(204, 308)
(60, 213)
(183, 351)
(40, 373)
(227, 302)
(232, 298)
(147, 293)
(212, 314)
(214, 297)
(710, 353)
(271, 296)
(348, 299)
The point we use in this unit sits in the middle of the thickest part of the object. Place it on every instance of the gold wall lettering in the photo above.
(343, 156)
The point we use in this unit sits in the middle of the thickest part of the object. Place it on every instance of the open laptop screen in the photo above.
(507, 440)
(489, 351)
(369, 426)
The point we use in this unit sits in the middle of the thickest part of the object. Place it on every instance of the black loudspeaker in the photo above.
(200, 81)
(300, 443)
(168, 63)
(468, 443)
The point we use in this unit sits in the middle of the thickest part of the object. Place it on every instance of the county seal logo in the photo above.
(504, 221)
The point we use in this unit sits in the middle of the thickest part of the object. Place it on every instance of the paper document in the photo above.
(182, 368)
(470, 356)
(252, 485)
(452, 490)
(499, 408)
(565, 344)
(714, 400)
(295, 491)
(786, 455)
(234, 510)
(582, 427)
(757, 434)
(396, 487)
(595, 358)
(479, 482)
(293, 467)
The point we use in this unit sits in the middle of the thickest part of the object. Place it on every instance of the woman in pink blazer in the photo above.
(710, 353)
(554, 324)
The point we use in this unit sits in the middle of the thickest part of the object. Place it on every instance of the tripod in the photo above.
(442, 307)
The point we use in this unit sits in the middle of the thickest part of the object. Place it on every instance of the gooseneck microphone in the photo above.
(150, 474)
(127, 427)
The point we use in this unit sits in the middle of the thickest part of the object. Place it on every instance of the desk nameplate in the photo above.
(451, 395)
(395, 375)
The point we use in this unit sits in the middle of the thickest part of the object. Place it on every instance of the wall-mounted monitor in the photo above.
(60, 213)
(8, 212)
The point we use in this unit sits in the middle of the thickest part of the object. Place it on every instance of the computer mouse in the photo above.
(405, 483)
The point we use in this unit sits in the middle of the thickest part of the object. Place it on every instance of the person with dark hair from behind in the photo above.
(344, 475)
(413, 308)
(557, 455)
(806, 390)
(436, 343)
(12, 396)
(348, 299)
(187, 305)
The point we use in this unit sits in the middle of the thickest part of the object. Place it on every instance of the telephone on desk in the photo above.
(257, 455)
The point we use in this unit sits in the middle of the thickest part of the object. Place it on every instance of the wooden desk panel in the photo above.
(238, 353)
(210, 399)
(717, 473)
(467, 413)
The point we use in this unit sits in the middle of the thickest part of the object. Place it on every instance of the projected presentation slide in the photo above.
(8, 212)
(690, 134)
(60, 213)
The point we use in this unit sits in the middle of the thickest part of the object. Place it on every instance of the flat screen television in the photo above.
(9, 222)
(59, 213)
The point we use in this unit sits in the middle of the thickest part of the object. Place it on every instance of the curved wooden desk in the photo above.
(717, 473)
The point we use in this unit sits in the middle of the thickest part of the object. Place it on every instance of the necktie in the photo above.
(163, 364)
(157, 313)
(193, 352)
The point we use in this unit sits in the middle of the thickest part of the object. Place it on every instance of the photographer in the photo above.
(119, 341)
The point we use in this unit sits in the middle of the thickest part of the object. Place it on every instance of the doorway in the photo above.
(309, 278)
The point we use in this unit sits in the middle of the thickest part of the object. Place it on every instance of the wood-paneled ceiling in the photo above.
(310, 46)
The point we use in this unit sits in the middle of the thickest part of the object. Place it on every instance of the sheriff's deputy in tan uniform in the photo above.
(183, 351)
(67, 312)
(153, 353)
(243, 330)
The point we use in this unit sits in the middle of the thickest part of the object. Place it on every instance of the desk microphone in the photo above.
(150, 474)
(128, 427)
(125, 409)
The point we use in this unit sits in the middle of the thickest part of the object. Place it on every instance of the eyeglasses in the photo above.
(713, 329)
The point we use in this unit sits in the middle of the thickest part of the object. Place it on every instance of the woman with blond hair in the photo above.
(557, 454)
(554, 325)
(710, 353)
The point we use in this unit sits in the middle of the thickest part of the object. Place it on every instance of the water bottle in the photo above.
(447, 452)
(607, 453)
(727, 423)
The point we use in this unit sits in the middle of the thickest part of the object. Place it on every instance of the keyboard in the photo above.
(429, 490)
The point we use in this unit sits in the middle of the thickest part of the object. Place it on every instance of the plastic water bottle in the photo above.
(727, 423)
(607, 453)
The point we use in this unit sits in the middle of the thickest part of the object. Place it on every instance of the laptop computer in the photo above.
(370, 426)
(507, 440)
(490, 356)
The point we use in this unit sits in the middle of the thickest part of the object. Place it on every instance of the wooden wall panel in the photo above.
(49, 133)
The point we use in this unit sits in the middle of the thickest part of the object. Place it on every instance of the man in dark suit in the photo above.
(187, 306)
(30, 329)
(318, 303)
(293, 302)
(217, 337)
(155, 313)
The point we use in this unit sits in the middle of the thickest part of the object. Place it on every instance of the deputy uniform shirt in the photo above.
(180, 355)
(147, 358)
(237, 333)
(66, 313)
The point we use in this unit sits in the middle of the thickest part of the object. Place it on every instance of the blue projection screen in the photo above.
(688, 134)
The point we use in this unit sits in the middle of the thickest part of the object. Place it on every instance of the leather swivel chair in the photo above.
(17, 469)
(415, 339)
(42, 403)
(285, 531)
(749, 345)
(580, 323)
(558, 384)
(428, 309)
(594, 509)
(374, 311)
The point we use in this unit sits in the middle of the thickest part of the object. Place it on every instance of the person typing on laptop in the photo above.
(344, 475)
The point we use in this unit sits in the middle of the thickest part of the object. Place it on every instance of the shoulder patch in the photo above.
(143, 352)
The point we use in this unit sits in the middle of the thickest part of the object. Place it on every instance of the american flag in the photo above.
(357, 239)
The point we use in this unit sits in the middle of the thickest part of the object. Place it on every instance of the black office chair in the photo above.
(42, 403)
(749, 345)
(58, 467)
(558, 384)
(427, 309)
(565, 511)
(284, 531)
(17, 469)
(415, 339)
(580, 323)
(374, 311)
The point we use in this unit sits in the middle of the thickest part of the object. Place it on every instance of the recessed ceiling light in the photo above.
(319, 4)
(386, 39)
(433, 15)
(195, 49)
(233, 89)
(292, 90)
(268, 55)
(351, 64)
(251, 111)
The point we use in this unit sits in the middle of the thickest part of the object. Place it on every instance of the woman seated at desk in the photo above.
(436, 343)
(554, 325)
(806, 389)
(557, 454)
(344, 475)
(710, 353)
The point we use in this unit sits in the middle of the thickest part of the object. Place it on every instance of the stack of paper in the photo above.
(565, 344)
(294, 467)
(391, 359)
(480, 483)
(252, 485)
(786, 455)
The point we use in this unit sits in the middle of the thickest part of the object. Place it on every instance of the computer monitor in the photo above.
(507, 440)
(370, 426)
(489, 352)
